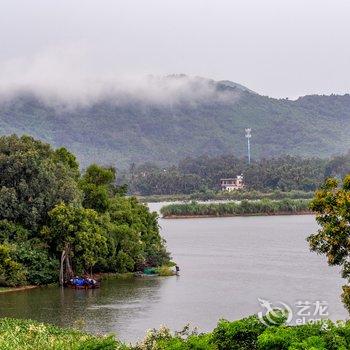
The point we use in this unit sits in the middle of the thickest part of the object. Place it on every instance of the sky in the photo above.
(279, 48)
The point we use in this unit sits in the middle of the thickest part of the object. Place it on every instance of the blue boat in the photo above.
(83, 283)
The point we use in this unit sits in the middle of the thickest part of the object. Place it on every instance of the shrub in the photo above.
(238, 335)
(28, 335)
(124, 262)
(164, 271)
(164, 339)
(193, 342)
(41, 268)
(12, 273)
(317, 336)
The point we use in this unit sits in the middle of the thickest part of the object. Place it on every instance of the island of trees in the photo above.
(52, 215)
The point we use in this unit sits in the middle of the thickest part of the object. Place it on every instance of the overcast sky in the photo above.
(278, 48)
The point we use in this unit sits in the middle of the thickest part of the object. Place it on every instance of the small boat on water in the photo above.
(83, 283)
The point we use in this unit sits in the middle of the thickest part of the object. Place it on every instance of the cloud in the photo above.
(64, 76)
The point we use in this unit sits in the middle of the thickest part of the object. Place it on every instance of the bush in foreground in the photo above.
(246, 334)
(30, 335)
(250, 334)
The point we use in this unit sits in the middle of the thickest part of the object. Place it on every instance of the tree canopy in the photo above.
(48, 207)
(332, 207)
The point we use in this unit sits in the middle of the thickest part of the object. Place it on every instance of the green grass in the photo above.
(31, 335)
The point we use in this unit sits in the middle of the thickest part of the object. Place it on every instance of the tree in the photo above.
(98, 185)
(76, 232)
(52, 219)
(32, 181)
(332, 207)
(62, 155)
(12, 273)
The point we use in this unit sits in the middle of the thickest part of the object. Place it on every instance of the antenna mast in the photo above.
(248, 135)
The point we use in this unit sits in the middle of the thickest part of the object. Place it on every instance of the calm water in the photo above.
(226, 264)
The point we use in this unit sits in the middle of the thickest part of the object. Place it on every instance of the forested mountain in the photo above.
(198, 116)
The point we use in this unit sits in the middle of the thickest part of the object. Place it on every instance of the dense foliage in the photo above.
(122, 129)
(261, 207)
(332, 207)
(47, 207)
(201, 176)
(250, 334)
(245, 334)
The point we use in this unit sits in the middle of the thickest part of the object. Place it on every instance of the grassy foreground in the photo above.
(260, 207)
(31, 335)
(246, 334)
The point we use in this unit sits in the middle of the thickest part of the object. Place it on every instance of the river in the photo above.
(226, 265)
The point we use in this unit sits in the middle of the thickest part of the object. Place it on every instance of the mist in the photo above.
(61, 76)
(276, 48)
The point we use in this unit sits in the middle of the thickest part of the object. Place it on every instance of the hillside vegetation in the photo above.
(200, 116)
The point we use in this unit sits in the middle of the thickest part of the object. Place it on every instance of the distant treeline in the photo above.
(261, 207)
(203, 174)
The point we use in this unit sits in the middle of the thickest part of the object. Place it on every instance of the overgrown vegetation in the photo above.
(49, 210)
(245, 334)
(261, 207)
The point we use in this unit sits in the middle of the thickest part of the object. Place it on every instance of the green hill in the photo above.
(198, 116)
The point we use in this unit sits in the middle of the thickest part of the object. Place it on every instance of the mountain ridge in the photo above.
(190, 117)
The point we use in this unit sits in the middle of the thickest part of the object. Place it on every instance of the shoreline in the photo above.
(236, 215)
(224, 196)
(5, 290)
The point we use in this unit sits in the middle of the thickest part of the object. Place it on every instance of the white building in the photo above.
(232, 184)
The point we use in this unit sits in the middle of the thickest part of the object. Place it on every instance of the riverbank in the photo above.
(263, 207)
(161, 271)
(4, 290)
(224, 195)
(235, 215)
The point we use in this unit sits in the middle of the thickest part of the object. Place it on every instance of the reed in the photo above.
(245, 207)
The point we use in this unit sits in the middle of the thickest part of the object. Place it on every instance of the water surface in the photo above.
(226, 265)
